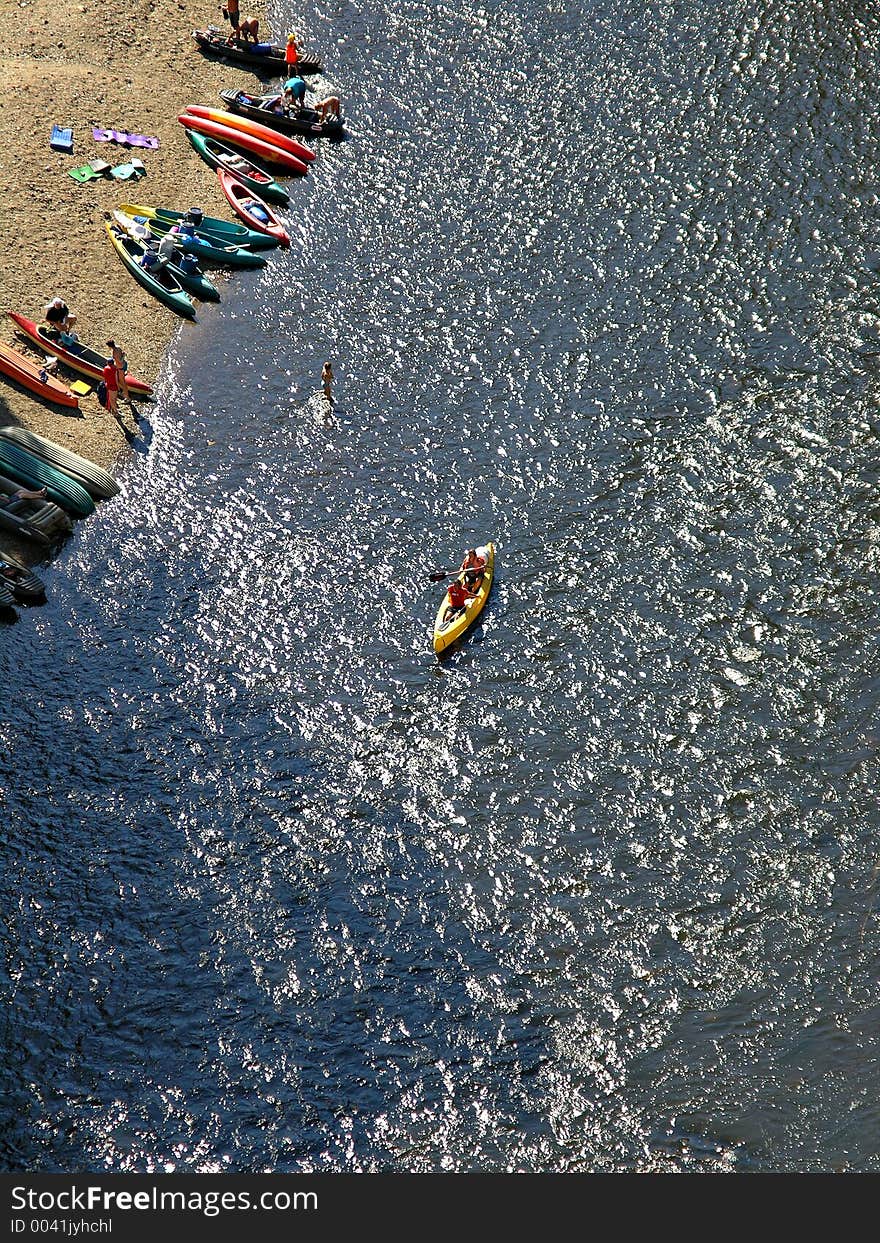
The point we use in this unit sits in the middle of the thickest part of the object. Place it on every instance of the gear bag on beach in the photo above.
(101, 392)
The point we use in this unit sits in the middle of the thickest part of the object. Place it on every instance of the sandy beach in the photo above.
(131, 67)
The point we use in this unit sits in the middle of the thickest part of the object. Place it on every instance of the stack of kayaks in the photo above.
(240, 131)
(97, 482)
(41, 520)
(33, 472)
(223, 232)
(208, 249)
(253, 210)
(446, 632)
(162, 284)
(267, 56)
(268, 110)
(34, 377)
(76, 356)
(192, 279)
(219, 155)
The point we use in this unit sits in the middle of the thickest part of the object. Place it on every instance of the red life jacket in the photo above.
(457, 595)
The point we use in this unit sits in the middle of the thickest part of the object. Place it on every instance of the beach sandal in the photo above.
(88, 172)
(83, 174)
(122, 172)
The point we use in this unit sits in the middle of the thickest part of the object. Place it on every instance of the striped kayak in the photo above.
(34, 376)
(218, 155)
(33, 472)
(253, 210)
(250, 125)
(268, 110)
(163, 284)
(269, 152)
(208, 250)
(195, 282)
(96, 481)
(88, 362)
(20, 580)
(224, 232)
(268, 57)
(446, 633)
(39, 519)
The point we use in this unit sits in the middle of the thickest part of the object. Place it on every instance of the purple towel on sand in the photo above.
(126, 139)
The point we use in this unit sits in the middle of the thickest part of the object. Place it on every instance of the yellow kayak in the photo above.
(447, 632)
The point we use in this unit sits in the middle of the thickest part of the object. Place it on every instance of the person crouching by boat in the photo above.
(473, 566)
(57, 315)
(293, 93)
(329, 107)
(121, 365)
(458, 598)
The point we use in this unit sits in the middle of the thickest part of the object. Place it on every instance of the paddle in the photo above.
(437, 576)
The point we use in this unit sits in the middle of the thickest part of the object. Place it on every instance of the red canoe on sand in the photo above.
(271, 153)
(89, 362)
(248, 125)
(35, 377)
(254, 212)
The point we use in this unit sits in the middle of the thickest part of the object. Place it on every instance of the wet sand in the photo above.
(132, 67)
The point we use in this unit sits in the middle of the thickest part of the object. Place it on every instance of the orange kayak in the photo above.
(33, 375)
(270, 152)
(79, 357)
(249, 126)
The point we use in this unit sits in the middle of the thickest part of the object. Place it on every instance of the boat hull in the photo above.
(446, 634)
(249, 125)
(272, 61)
(27, 373)
(243, 202)
(87, 362)
(97, 482)
(217, 155)
(268, 152)
(32, 472)
(304, 121)
(171, 294)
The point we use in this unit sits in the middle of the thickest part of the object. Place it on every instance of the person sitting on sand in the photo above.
(458, 598)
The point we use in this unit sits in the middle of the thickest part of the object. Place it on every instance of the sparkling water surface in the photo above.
(282, 891)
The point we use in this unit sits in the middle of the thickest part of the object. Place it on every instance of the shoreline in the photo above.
(80, 64)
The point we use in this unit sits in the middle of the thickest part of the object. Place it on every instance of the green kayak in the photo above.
(207, 249)
(218, 155)
(163, 284)
(225, 231)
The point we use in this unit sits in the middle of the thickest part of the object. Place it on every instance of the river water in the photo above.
(599, 891)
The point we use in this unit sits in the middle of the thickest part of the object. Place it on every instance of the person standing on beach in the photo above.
(121, 364)
(230, 11)
(327, 380)
(112, 385)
